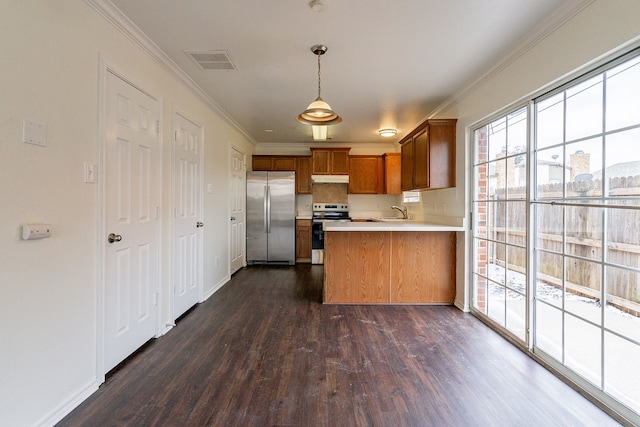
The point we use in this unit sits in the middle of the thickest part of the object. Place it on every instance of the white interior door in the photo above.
(238, 190)
(187, 202)
(131, 158)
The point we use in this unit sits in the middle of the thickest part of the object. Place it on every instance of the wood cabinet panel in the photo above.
(406, 174)
(273, 163)
(357, 267)
(423, 267)
(303, 240)
(442, 155)
(421, 159)
(340, 162)
(330, 161)
(392, 173)
(366, 175)
(262, 163)
(303, 175)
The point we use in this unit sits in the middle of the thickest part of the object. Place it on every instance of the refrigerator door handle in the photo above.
(265, 210)
(268, 210)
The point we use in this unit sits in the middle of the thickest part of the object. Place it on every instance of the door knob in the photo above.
(199, 224)
(233, 218)
(114, 238)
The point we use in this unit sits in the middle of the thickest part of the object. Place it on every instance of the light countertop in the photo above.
(390, 226)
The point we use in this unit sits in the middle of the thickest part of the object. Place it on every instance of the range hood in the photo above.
(330, 179)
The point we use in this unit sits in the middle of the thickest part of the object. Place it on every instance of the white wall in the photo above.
(50, 73)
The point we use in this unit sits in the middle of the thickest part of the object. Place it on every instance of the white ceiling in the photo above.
(389, 63)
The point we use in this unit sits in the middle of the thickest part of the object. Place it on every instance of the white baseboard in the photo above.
(68, 405)
(215, 288)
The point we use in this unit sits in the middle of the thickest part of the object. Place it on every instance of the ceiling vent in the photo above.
(212, 59)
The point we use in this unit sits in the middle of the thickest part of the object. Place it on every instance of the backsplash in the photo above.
(330, 193)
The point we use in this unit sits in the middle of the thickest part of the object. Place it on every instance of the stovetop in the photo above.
(331, 211)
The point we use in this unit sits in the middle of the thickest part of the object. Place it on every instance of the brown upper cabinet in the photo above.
(366, 175)
(273, 163)
(303, 175)
(428, 156)
(375, 174)
(330, 161)
(392, 173)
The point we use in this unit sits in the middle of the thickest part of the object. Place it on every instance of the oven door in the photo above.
(317, 243)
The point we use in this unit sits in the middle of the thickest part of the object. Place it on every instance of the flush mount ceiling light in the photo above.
(319, 112)
(387, 132)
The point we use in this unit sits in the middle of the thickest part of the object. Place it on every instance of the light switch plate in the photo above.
(89, 173)
(34, 133)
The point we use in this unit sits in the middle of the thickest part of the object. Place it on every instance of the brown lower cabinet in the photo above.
(303, 240)
(390, 267)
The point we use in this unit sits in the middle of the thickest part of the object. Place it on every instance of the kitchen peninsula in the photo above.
(399, 262)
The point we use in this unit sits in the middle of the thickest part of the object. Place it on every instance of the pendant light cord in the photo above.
(318, 76)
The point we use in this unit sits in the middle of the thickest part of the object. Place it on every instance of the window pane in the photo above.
(622, 381)
(623, 234)
(549, 227)
(549, 274)
(517, 223)
(496, 253)
(517, 132)
(550, 121)
(516, 316)
(549, 170)
(516, 267)
(585, 168)
(582, 348)
(584, 109)
(497, 138)
(623, 163)
(495, 305)
(584, 232)
(516, 177)
(623, 95)
(497, 221)
(623, 302)
(582, 289)
(548, 330)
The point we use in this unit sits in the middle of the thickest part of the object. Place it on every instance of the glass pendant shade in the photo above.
(319, 113)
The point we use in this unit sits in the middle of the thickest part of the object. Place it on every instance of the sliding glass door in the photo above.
(556, 229)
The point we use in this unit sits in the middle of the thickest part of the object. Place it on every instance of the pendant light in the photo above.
(319, 112)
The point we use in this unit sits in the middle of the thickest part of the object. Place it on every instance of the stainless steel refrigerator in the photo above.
(271, 217)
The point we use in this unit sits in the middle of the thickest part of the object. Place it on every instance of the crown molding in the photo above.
(123, 24)
(544, 29)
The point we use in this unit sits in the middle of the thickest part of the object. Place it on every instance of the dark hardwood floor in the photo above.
(264, 351)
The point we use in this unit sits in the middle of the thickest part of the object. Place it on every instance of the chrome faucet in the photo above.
(402, 210)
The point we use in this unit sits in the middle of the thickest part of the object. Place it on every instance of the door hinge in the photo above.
(157, 299)
(157, 126)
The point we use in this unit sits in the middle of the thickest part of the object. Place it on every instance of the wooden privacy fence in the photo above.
(584, 230)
